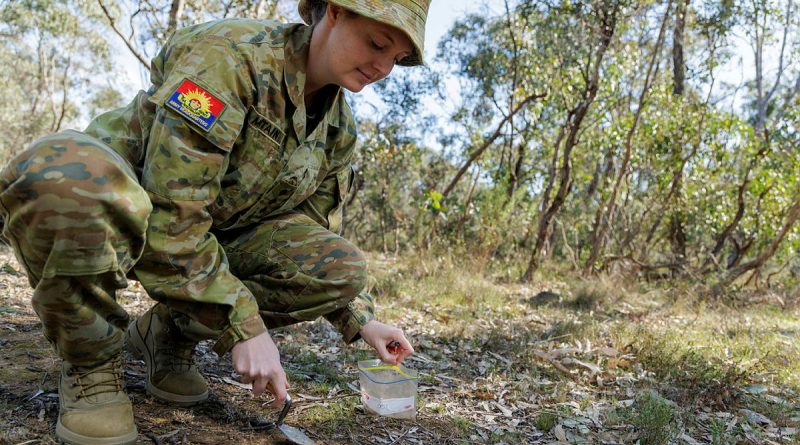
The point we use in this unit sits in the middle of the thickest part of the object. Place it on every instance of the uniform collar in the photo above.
(296, 53)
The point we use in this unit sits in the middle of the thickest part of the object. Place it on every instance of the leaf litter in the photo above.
(485, 377)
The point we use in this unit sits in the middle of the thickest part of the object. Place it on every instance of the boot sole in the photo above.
(69, 437)
(137, 346)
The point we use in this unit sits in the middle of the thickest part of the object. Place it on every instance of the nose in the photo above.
(383, 66)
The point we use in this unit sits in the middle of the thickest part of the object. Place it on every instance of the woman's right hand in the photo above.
(258, 361)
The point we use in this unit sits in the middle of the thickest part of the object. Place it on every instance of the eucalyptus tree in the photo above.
(144, 25)
(55, 64)
(589, 30)
(767, 188)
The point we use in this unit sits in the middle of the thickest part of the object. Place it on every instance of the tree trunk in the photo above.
(791, 218)
(677, 230)
(678, 64)
(605, 211)
(608, 24)
(175, 13)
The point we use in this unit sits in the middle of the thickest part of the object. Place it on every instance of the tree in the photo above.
(52, 59)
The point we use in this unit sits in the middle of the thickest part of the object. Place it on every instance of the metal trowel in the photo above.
(290, 433)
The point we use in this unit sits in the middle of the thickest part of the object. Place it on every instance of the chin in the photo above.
(354, 90)
(353, 87)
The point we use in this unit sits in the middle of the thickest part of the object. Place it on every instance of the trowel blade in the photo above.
(295, 435)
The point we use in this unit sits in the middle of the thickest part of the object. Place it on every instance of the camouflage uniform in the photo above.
(214, 189)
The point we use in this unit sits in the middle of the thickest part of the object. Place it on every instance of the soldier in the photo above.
(220, 189)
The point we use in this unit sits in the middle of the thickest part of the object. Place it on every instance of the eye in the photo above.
(377, 45)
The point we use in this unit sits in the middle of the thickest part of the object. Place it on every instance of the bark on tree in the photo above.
(608, 15)
(676, 228)
(605, 211)
(755, 264)
(175, 13)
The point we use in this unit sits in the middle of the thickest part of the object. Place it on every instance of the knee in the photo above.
(345, 267)
(70, 174)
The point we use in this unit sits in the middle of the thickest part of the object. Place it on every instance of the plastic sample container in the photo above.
(388, 390)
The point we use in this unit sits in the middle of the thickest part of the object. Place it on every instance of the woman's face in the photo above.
(361, 50)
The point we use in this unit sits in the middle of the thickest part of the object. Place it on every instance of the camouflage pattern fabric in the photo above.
(298, 271)
(76, 217)
(219, 147)
(408, 16)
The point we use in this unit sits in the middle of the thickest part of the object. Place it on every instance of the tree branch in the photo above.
(111, 22)
(479, 151)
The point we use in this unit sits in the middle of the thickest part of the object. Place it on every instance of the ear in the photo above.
(334, 13)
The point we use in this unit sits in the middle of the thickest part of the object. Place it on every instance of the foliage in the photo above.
(703, 192)
(53, 57)
(654, 419)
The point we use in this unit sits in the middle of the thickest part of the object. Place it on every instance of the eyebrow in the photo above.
(386, 34)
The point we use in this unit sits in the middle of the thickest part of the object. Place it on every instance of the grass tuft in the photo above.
(654, 419)
(545, 421)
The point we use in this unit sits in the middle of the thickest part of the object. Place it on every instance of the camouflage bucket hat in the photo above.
(406, 15)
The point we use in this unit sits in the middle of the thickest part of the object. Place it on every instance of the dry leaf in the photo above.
(560, 434)
(608, 351)
(483, 395)
(233, 382)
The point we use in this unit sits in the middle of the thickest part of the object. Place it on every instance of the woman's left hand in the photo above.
(389, 341)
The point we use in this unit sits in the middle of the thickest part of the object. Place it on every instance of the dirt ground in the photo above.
(323, 374)
(499, 364)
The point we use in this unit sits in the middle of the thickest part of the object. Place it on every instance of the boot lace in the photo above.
(178, 352)
(91, 385)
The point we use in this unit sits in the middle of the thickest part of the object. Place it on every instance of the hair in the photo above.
(318, 9)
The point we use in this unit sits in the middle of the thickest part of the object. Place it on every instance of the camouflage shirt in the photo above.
(222, 140)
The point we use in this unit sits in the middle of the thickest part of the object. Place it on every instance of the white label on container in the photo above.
(387, 406)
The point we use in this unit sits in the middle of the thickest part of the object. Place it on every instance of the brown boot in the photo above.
(171, 373)
(93, 406)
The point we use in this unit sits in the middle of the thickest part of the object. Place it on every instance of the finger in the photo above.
(259, 386)
(404, 350)
(279, 386)
(244, 378)
(385, 355)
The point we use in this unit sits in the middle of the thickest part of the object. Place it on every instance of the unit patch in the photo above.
(196, 104)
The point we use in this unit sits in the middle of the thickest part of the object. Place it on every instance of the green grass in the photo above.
(654, 419)
(337, 414)
(699, 354)
(545, 421)
(720, 434)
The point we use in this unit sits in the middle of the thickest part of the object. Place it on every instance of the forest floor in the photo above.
(560, 361)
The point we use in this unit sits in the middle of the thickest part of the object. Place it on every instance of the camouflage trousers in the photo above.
(76, 218)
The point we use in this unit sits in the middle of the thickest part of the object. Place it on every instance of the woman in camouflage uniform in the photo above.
(220, 189)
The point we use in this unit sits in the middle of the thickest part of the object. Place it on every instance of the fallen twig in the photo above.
(409, 430)
(543, 355)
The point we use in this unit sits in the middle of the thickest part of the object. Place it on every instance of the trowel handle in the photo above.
(286, 407)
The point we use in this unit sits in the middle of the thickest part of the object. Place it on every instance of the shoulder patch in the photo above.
(196, 104)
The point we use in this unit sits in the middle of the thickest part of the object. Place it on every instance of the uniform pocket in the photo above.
(344, 182)
(252, 172)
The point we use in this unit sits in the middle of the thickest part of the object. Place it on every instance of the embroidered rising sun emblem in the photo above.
(197, 102)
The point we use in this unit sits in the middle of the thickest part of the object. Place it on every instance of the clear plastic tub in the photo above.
(388, 390)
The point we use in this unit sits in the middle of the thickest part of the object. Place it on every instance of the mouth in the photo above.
(364, 77)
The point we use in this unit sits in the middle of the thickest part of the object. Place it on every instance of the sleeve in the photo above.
(201, 107)
(350, 319)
